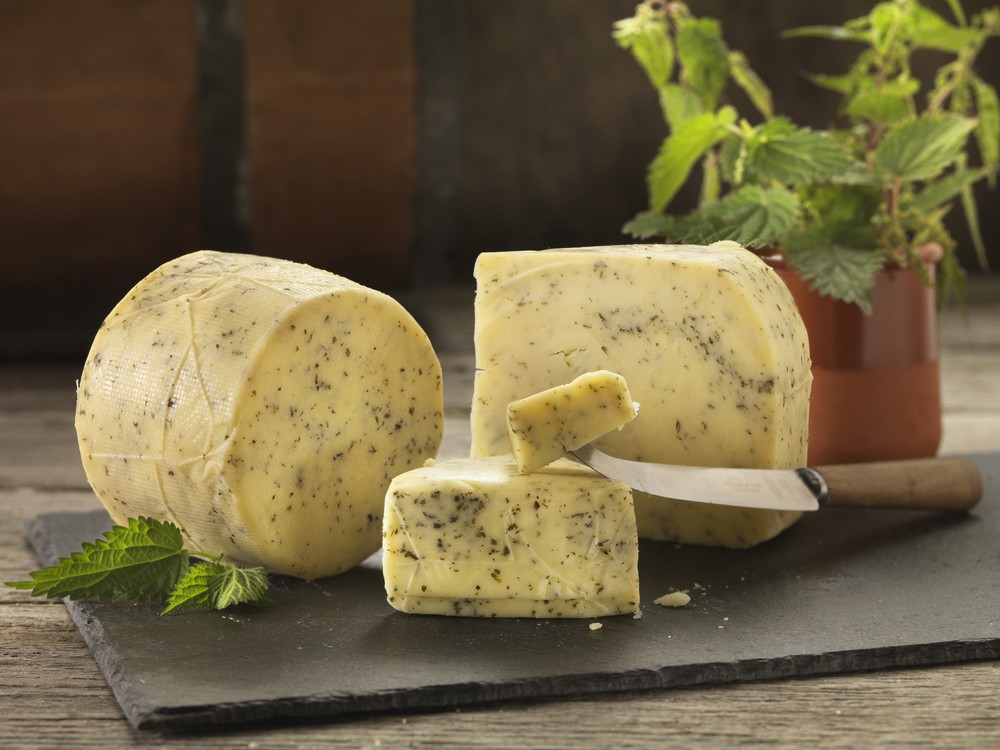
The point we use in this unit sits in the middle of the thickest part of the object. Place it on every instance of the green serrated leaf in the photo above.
(679, 105)
(781, 152)
(931, 31)
(704, 58)
(217, 585)
(194, 589)
(972, 220)
(140, 561)
(878, 106)
(988, 125)
(846, 211)
(837, 33)
(681, 150)
(646, 36)
(751, 216)
(922, 148)
(945, 189)
(842, 84)
(836, 270)
(649, 224)
(751, 83)
(239, 586)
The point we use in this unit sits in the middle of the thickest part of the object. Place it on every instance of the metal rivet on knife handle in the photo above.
(924, 484)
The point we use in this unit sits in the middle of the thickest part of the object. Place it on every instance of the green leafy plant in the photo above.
(840, 203)
(146, 561)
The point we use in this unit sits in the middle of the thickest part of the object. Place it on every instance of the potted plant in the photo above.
(852, 216)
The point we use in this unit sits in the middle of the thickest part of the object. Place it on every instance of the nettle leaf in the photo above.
(704, 58)
(931, 31)
(878, 106)
(781, 152)
(988, 125)
(681, 150)
(140, 561)
(837, 33)
(649, 224)
(751, 83)
(845, 207)
(922, 148)
(194, 588)
(240, 586)
(972, 220)
(218, 585)
(645, 36)
(751, 216)
(842, 84)
(945, 189)
(891, 102)
(679, 104)
(836, 270)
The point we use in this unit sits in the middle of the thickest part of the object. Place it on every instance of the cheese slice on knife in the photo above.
(543, 426)
(708, 339)
(261, 405)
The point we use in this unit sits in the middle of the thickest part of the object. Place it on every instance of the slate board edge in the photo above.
(567, 686)
(141, 715)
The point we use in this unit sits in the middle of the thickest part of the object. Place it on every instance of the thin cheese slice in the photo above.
(261, 405)
(473, 537)
(542, 427)
(708, 339)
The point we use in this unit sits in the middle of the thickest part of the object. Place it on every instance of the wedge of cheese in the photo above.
(261, 405)
(543, 426)
(708, 339)
(473, 537)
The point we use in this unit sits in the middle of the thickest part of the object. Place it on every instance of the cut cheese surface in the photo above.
(472, 537)
(261, 405)
(543, 426)
(708, 339)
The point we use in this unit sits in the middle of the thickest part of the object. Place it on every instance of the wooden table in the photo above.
(52, 694)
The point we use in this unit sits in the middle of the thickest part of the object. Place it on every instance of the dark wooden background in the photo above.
(390, 142)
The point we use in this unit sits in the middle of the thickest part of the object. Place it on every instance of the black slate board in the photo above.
(843, 590)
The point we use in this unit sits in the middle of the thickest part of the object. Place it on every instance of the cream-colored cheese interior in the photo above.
(250, 400)
(473, 537)
(709, 341)
(543, 426)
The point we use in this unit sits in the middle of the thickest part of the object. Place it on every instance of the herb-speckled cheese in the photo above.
(261, 405)
(543, 426)
(709, 341)
(473, 537)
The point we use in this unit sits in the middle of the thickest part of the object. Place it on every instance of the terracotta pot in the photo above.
(876, 391)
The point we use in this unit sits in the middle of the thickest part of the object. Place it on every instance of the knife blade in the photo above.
(949, 484)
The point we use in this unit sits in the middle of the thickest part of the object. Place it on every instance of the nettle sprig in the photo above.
(145, 561)
(842, 202)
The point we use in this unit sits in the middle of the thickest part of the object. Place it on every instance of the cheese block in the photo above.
(261, 405)
(473, 537)
(542, 427)
(708, 339)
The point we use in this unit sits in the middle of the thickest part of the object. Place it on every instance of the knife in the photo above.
(951, 484)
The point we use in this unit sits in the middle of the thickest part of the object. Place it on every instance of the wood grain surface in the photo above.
(54, 696)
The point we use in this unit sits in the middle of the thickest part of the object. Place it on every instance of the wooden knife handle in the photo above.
(925, 484)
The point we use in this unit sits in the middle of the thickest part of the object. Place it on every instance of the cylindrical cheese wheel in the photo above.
(261, 405)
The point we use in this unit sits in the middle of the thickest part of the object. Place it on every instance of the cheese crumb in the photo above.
(673, 599)
(596, 626)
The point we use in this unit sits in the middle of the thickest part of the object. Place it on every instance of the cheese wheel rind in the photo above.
(261, 405)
